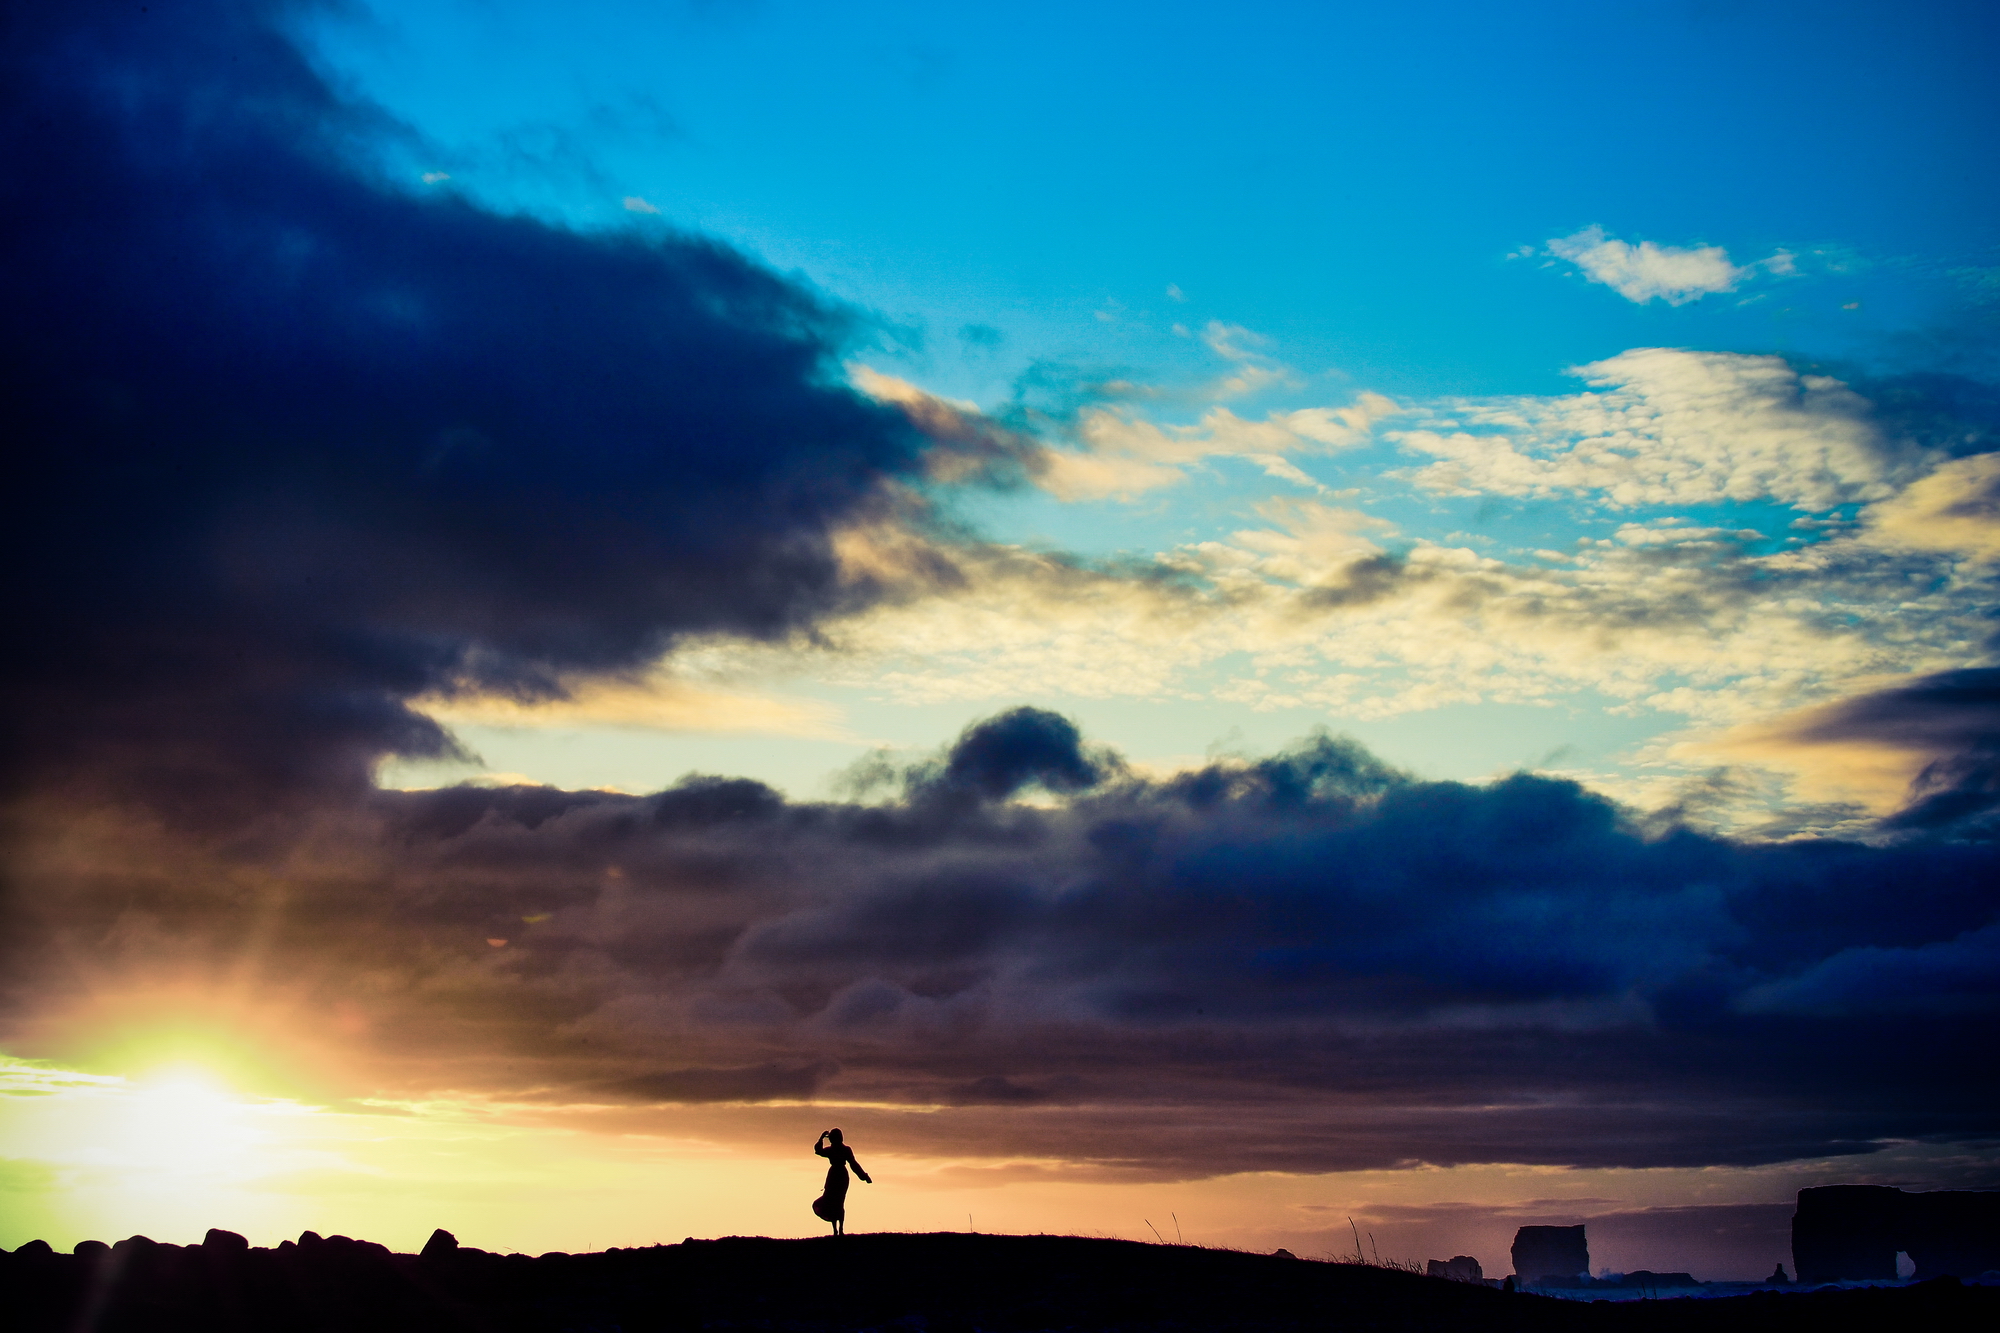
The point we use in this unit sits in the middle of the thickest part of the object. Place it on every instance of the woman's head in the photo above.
(833, 1134)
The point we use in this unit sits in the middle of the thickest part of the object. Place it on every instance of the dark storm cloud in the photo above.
(293, 443)
(996, 758)
(1304, 962)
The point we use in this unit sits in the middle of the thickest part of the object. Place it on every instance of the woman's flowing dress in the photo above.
(831, 1205)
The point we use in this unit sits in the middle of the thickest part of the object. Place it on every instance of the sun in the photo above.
(181, 1121)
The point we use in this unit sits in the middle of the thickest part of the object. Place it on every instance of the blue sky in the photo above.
(1023, 206)
(1344, 179)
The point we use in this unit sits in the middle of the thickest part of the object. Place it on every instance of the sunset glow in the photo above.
(178, 1152)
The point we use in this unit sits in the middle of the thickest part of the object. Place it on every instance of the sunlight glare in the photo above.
(181, 1122)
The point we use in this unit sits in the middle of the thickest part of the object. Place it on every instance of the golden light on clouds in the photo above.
(1874, 774)
(1953, 509)
(655, 701)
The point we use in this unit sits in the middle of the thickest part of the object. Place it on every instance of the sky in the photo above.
(1295, 622)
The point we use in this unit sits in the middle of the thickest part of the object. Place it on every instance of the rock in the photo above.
(1845, 1232)
(1458, 1268)
(1778, 1277)
(1643, 1278)
(441, 1244)
(218, 1241)
(1550, 1256)
(1282, 1253)
(1951, 1232)
(37, 1249)
(91, 1249)
(1852, 1232)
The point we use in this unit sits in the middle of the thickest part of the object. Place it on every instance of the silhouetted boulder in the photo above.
(91, 1249)
(1550, 1256)
(1282, 1253)
(441, 1244)
(1645, 1278)
(36, 1249)
(218, 1241)
(1852, 1232)
(1459, 1268)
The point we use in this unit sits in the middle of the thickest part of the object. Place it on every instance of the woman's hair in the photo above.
(833, 1134)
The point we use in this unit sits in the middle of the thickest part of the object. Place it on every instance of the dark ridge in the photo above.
(943, 1283)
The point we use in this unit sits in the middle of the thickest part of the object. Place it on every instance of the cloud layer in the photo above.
(1682, 595)
(1308, 963)
(1672, 427)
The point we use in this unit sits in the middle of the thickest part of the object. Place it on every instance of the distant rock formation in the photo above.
(1779, 1277)
(1852, 1233)
(1550, 1256)
(1459, 1268)
(1652, 1281)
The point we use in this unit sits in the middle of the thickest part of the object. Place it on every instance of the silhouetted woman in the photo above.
(832, 1205)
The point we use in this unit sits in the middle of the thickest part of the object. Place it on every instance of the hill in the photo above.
(942, 1283)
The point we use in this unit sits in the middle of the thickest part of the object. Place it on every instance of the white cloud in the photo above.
(1671, 427)
(1233, 342)
(1641, 272)
(1283, 469)
(634, 204)
(1122, 455)
(1110, 476)
(1254, 370)
(1125, 455)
